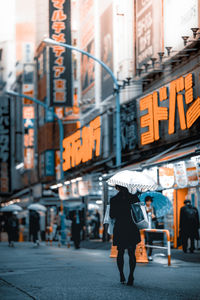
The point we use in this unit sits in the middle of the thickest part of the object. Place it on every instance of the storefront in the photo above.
(167, 141)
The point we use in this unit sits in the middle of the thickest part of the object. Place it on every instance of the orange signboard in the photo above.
(180, 96)
(82, 145)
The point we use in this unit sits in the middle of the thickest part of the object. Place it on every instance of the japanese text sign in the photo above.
(179, 97)
(4, 145)
(60, 58)
(83, 145)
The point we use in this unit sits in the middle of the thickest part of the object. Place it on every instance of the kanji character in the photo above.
(59, 38)
(58, 26)
(58, 70)
(172, 106)
(59, 61)
(159, 113)
(59, 97)
(163, 93)
(189, 97)
(58, 50)
(147, 120)
(60, 84)
(58, 15)
(58, 3)
(193, 112)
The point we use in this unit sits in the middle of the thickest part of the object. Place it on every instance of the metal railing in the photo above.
(168, 248)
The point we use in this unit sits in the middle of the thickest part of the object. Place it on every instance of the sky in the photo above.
(7, 15)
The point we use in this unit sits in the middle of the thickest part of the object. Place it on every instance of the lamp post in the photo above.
(52, 42)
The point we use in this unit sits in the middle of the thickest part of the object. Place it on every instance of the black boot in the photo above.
(130, 280)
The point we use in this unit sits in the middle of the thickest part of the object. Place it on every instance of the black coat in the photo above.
(125, 233)
(189, 222)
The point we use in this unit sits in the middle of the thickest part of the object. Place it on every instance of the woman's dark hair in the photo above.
(121, 188)
(148, 198)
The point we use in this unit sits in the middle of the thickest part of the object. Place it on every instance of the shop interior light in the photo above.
(100, 178)
(59, 184)
(100, 183)
(78, 178)
(99, 202)
(53, 186)
(67, 182)
(19, 166)
(73, 180)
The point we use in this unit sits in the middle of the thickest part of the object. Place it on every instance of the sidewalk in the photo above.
(50, 272)
(175, 253)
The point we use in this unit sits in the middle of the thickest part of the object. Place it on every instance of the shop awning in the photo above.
(174, 155)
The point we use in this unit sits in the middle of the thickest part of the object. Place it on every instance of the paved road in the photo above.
(87, 274)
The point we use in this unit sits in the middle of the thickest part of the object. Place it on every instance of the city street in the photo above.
(61, 273)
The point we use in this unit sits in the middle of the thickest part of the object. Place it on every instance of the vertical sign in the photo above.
(144, 31)
(128, 126)
(28, 115)
(49, 162)
(59, 57)
(57, 164)
(107, 51)
(4, 145)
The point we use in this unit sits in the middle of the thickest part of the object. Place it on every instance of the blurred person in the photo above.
(76, 227)
(152, 224)
(34, 226)
(97, 224)
(12, 227)
(189, 225)
(125, 234)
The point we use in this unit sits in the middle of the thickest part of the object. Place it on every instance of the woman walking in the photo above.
(125, 234)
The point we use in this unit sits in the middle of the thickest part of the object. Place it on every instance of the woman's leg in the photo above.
(132, 264)
(120, 264)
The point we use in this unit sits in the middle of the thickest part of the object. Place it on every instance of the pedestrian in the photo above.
(189, 225)
(125, 233)
(76, 227)
(97, 224)
(12, 228)
(152, 224)
(34, 226)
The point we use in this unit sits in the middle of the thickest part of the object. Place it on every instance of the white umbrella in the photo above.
(37, 206)
(133, 180)
(11, 208)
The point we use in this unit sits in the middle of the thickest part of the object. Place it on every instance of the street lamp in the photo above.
(52, 42)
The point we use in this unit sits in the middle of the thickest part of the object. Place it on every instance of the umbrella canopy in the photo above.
(160, 202)
(37, 206)
(11, 208)
(133, 180)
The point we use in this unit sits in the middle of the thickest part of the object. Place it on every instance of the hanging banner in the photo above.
(60, 63)
(166, 177)
(4, 145)
(180, 174)
(191, 169)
